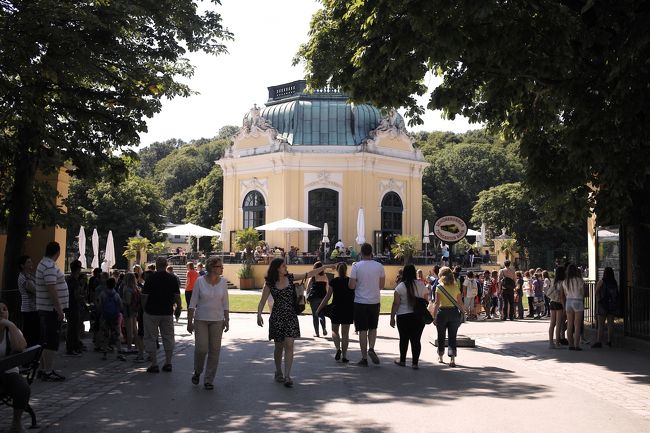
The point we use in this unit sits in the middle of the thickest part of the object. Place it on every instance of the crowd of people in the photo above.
(138, 308)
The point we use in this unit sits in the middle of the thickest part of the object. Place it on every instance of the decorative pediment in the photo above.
(323, 178)
(254, 125)
(253, 184)
(391, 185)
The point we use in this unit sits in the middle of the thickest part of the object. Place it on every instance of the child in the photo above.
(470, 290)
(495, 292)
(487, 294)
(538, 293)
(110, 307)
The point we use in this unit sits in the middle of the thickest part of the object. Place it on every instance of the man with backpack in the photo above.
(507, 278)
(110, 308)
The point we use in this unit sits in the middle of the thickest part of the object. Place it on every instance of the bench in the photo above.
(30, 358)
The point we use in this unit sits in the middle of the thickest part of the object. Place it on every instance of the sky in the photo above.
(267, 36)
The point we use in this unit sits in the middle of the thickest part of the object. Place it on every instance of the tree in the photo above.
(457, 175)
(206, 199)
(78, 80)
(227, 132)
(123, 207)
(150, 155)
(404, 247)
(567, 78)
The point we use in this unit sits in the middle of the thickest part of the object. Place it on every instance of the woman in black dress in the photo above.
(342, 312)
(318, 285)
(283, 323)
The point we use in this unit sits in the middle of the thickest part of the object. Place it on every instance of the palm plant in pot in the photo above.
(246, 240)
(404, 248)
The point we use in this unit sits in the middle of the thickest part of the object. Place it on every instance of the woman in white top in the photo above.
(11, 381)
(208, 314)
(574, 289)
(409, 327)
(470, 291)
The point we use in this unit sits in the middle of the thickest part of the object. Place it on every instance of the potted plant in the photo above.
(404, 247)
(246, 240)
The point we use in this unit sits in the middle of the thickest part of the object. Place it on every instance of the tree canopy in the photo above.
(568, 78)
(78, 79)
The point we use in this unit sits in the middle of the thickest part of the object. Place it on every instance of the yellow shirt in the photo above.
(453, 291)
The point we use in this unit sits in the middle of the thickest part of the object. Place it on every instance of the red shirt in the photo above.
(192, 276)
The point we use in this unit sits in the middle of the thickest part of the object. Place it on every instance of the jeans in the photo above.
(410, 330)
(72, 339)
(447, 321)
(531, 306)
(508, 304)
(207, 341)
(314, 303)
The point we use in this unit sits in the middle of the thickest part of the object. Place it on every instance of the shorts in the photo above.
(366, 316)
(50, 329)
(575, 305)
(555, 306)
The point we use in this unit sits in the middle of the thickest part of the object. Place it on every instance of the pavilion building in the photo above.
(316, 157)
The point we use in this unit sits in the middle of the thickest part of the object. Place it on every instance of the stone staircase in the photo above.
(181, 270)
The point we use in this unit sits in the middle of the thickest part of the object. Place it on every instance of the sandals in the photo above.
(208, 386)
(279, 377)
(195, 378)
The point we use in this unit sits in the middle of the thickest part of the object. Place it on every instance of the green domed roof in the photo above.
(323, 117)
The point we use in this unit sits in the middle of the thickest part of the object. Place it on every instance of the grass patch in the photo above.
(248, 304)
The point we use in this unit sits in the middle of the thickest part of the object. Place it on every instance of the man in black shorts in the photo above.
(367, 278)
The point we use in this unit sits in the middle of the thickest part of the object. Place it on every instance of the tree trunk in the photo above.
(21, 197)
(639, 259)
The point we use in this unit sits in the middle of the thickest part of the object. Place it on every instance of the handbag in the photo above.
(299, 298)
(453, 301)
(421, 311)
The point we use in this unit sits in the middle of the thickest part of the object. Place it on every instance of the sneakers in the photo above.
(153, 369)
(363, 363)
(52, 376)
(564, 342)
(167, 368)
(400, 363)
(373, 356)
(337, 357)
(345, 360)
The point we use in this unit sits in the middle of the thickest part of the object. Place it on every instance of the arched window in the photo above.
(323, 208)
(254, 210)
(391, 219)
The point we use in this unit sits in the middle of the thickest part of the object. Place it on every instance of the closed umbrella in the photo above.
(325, 240)
(95, 241)
(109, 255)
(82, 247)
(222, 236)
(361, 227)
(425, 239)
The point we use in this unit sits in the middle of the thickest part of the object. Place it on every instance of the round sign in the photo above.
(450, 229)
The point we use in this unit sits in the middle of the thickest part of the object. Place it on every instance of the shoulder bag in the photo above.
(453, 301)
(421, 311)
(299, 298)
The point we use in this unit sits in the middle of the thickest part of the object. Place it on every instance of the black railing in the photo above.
(637, 312)
(590, 317)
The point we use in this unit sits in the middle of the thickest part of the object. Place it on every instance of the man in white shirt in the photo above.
(339, 245)
(367, 278)
(51, 300)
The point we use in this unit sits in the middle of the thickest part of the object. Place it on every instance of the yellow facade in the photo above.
(284, 174)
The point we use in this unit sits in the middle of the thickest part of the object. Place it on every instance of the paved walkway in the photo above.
(510, 382)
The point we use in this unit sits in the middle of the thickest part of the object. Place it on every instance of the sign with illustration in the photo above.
(450, 229)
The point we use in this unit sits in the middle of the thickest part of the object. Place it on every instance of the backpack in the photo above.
(508, 283)
(609, 298)
(110, 306)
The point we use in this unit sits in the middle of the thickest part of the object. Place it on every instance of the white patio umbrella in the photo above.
(326, 239)
(82, 247)
(483, 229)
(109, 255)
(190, 229)
(471, 232)
(95, 241)
(425, 239)
(361, 227)
(287, 225)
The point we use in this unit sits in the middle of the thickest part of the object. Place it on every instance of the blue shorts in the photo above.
(575, 305)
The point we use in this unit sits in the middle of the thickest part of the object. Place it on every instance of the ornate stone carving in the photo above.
(254, 125)
(389, 124)
(323, 178)
(248, 185)
(391, 185)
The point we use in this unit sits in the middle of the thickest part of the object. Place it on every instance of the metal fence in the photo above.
(590, 318)
(637, 312)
